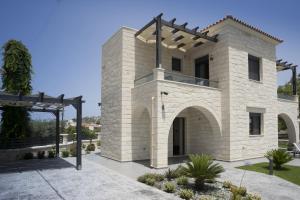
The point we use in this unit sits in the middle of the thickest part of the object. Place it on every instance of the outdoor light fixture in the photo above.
(165, 93)
(99, 104)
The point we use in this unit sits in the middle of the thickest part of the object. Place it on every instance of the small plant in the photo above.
(98, 143)
(253, 197)
(182, 180)
(181, 171)
(51, 154)
(65, 154)
(202, 168)
(91, 147)
(186, 194)
(169, 187)
(227, 184)
(28, 156)
(238, 192)
(171, 174)
(279, 157)
(83, 146)
(242, 191)
(156, 177)
(73, 150)
(41, 154)
(150, 181)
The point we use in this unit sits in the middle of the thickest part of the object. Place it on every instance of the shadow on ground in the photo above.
(34, 164)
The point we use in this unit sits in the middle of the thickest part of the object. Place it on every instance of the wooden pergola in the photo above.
(284, 65)
(44, 103)
(172, 36)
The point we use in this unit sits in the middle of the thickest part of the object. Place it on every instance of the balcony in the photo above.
(161, 74)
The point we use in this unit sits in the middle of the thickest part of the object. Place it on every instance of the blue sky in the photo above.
(65, 36)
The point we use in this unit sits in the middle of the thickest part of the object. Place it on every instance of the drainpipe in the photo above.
(152, 131)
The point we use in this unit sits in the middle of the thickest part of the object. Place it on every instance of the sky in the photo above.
(65, 37)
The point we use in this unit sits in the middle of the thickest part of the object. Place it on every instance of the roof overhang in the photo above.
(174, 36)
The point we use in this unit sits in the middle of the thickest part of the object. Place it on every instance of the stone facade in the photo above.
(137, 117)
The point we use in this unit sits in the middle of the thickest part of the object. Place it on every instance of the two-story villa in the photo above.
(168, 90)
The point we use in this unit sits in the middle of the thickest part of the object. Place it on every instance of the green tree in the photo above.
(16, 78)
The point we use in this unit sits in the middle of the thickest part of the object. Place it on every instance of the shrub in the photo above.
(156, 177)
(73, 150)
(253, 197)
(171, 174)
(202, 168)
(227, 184)
(169, 187)
(182, 180)
(41, 154)
(28, 156)
(90, 147)
(150, 181)
(98, 143)
(65, 154)
(238, 192)
(279, 156)
(186, 194)
(51, 154)
(181, 171)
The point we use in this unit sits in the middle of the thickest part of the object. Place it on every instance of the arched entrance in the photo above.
(194, 129)
(286, 131)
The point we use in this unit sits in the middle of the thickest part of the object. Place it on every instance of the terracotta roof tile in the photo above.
(244, 24)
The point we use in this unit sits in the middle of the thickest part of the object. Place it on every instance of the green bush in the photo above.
(65, 154)
(156, 177)
(238, 192)
(186, 194)
(253, 197)
(98, 143)
(51, 154)
(41, 154)
(227, 184)
(169, 187)
(90, 147)
(73, 150)
(171, 174)
(150, 181)
(279, 156)
(202, 168)
(181, 171)
(28, 156)
(182, 180)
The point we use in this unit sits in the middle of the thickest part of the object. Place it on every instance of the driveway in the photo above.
(58, 179)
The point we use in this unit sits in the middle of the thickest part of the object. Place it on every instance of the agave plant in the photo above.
(202, 168)
(279, 157)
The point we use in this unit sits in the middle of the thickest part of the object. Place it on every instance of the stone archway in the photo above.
(291, 130)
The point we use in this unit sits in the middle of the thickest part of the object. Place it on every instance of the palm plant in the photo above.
(202, 168)
(279, 157)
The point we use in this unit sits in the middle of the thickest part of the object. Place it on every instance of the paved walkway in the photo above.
(269, 187)
(58, 179)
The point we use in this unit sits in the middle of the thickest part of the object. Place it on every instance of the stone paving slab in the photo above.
(93, 182)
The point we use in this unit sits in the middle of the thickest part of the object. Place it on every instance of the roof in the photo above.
(230, 17)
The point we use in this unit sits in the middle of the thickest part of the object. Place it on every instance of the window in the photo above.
(176, 64)
(253, 68)
(255, 123)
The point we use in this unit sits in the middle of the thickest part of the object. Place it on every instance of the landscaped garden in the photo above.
(196, 180)
(280, 157)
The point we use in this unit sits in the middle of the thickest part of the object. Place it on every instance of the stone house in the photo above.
(168, 90)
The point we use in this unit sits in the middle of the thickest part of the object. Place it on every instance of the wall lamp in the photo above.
(165, 93)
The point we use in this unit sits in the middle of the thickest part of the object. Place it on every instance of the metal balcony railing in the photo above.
(190, 79)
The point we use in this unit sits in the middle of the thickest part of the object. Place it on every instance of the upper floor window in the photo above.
(176, 64)
(255, 120)
(254, 68)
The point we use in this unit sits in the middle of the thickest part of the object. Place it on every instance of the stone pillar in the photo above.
(158, 74)
(65, 138)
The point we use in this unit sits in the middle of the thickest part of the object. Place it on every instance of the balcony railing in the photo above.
(287, 97)
(190, 79)
(143, 79)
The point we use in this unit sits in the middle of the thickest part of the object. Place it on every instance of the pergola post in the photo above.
(78, 131)
(56, 113)
(294, 80)
(158, 41)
